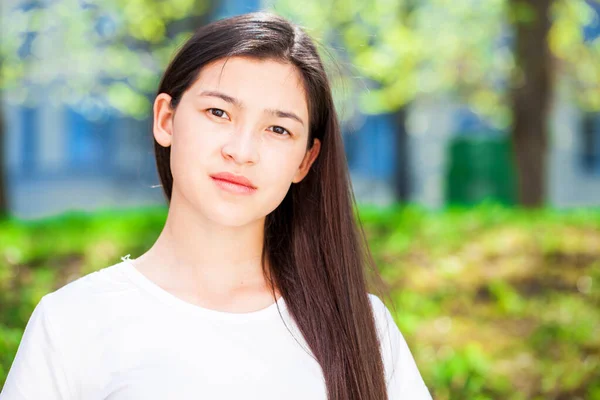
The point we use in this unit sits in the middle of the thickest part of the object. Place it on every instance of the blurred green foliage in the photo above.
(109, 53)
(409, 49)
(495, 302)
(391, 51)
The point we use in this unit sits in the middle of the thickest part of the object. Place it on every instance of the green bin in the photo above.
(480, 168)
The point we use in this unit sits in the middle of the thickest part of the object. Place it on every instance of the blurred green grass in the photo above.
(495, 302)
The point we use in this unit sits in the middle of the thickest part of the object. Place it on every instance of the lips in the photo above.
(237, 179)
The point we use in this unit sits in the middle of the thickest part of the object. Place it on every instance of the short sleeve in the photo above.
(38, 370)
(403, 378)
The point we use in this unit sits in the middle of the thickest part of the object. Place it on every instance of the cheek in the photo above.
(278, 170)
(193, 132)
(191, 148)
(281, 165)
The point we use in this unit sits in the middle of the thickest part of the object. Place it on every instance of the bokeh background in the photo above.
(472, 132)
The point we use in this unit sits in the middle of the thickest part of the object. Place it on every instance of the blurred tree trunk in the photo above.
(531, 98)
(3, 188)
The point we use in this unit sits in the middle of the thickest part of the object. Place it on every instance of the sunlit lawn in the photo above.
(495, 303)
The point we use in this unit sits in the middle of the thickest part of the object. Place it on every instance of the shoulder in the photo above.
(376, 303)
(402, 374)
(389, 334)
(91, 286)
(87, 299)
(383, 316)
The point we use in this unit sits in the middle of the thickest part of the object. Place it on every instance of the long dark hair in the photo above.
(314, 242)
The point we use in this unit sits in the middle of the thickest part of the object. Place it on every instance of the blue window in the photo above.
(468, 123)
(589, 152)
(228, 8)
(590, 144)
(90, 144)
(29, 144)
(592, 31)
(371, 149)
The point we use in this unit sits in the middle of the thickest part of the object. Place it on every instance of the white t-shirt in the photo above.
(114, 334)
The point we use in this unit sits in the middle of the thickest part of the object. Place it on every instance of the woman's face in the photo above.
(241, 116)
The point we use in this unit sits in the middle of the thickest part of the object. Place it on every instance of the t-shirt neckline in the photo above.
(163, 295)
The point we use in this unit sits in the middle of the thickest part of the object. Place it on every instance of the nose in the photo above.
(242, 147)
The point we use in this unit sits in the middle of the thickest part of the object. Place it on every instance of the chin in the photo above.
(233, 216)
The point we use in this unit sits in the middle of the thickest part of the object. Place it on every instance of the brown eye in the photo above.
(217, 112)
(281, 131)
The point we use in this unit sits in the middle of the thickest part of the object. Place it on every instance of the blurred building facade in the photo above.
(60, 159)
(573, 157)
(573, 154)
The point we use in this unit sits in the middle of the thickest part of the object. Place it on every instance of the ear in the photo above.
(163, 120)
(307, 162)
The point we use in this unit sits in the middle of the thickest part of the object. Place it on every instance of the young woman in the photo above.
(256, 287)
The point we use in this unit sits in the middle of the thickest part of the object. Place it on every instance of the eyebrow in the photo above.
(238, 103)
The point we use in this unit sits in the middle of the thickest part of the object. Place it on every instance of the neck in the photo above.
(194, 253)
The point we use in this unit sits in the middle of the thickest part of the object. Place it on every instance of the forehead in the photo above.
(256, 83)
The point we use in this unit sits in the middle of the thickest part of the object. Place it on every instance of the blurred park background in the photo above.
(472, 132)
